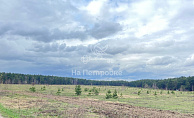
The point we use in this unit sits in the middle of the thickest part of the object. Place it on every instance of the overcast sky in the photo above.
(149, 39)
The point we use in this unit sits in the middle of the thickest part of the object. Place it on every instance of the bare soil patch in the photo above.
(1, 116)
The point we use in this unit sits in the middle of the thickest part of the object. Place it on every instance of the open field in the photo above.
(18, 101)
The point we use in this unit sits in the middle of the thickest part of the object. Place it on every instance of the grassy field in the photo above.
(18, 101)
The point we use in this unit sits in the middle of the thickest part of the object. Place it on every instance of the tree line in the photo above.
(180, 83)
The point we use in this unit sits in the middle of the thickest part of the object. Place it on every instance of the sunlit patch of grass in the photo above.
(8, 112)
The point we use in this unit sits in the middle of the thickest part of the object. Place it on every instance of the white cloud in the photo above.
(94, 7)
(146, 39)
(156, 24)
(190, 61)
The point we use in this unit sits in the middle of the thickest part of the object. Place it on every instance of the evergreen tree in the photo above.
(181, 83)
(121, 95)
(155, 93)
(96, 92)
(43, 88)
(139, 92)
(33, 89)
(58, 92)
(172, 92)
(78, 90)
(108, 94)
(115, 96)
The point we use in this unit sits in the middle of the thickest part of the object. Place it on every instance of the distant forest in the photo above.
(181, 83)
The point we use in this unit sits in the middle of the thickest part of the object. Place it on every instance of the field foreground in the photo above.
(17, 102)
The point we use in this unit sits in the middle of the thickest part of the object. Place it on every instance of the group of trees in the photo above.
(15, 78)
(95, 91)
(181, 83)
(109, 95)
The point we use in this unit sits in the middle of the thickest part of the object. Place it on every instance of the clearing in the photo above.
(20, 102)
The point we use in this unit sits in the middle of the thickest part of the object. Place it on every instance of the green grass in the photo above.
(182, 102)
(8, 112)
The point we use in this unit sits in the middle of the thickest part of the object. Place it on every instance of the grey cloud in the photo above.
(4, 28)
(56, 34)
(117, 50)
(49, 47)
(39, 20)
(68, 34)
(42, 33)
(59, 50)
(104, 29)
(164, 60)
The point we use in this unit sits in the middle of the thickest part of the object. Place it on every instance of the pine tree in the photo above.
(33, 89)
(78, 90)
(115, 96)
(58, 92)
(155, 93)
(96, 92)
(121, 95)
(108, 94)
(139, 92)
(43, 89)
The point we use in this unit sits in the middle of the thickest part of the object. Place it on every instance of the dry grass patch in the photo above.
(130, 96)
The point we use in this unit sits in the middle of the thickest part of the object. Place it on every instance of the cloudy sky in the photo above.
(74, 38)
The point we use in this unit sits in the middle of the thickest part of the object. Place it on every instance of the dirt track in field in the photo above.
(112, 109)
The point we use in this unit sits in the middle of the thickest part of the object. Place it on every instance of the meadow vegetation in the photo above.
(91, 101)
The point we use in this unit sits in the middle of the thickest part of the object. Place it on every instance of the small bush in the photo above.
(108, 94)
(115, 96)
(89, 93)
(43, 88)
(93, 91)
(155, 93)
(172, 92)
(121, 95)
(96, 92)
(86, 89)
(139, 92)
(58, 92)
(33, 89)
